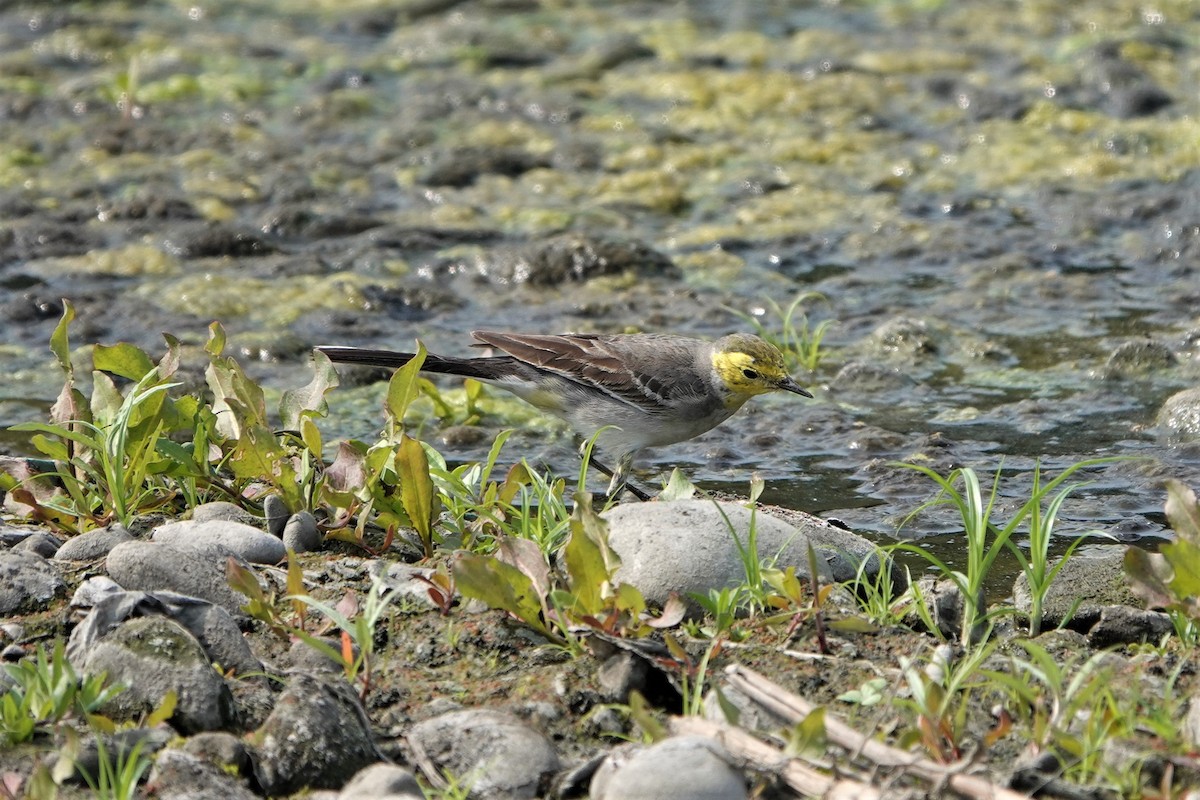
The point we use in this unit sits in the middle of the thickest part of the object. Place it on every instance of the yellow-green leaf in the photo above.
(123, 358)
(60, 345)
(416, 488)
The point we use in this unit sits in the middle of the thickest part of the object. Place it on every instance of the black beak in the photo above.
(789, 385)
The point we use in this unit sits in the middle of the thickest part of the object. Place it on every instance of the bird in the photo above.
(632, 390)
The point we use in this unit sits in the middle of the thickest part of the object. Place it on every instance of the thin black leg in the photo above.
(633, 490)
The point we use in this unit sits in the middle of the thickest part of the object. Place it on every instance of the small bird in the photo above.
(639, 390)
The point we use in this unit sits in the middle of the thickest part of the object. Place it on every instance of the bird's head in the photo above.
(748, 365)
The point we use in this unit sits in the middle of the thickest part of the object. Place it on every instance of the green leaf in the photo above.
(298, 404)
(106, 399)
(168, 365)
(122, 359)
(258, 455)
(402, 388)
(216, 340)
(164, 711)
(416, 488)
(807, 737)
(585, 557)
(60, 345)
(678, 487)
(1183, 512)
(502, 586)
(310, 434)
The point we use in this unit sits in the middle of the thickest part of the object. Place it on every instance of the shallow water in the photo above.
(997, 202)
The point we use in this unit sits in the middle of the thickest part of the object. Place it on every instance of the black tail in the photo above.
(481, 368)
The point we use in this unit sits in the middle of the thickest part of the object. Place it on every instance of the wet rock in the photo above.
(45, 239)
(1120, 625)
(1137, 358)
(300, 221)
(151, 204)
(243, 540)
(620, 674)
(94, 544)
(382, 782)
(180, 775)
(462, 166)
(153, 656)
(686, 546)
(27, 582)
(864, 378)
(40, 543)
(212, 240)
(577, 258)
(318, 736)
(224, 511)
(1116, 85)
(196, 570)
(1179, 417)
(212, 626)
(276, 512)
(300, 535)
(679, 768)
(906, 337)
(223, 750)
(495, 753)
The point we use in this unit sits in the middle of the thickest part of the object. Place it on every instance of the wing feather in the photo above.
(663, 375)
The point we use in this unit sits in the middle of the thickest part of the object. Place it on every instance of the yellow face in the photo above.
(749, 366)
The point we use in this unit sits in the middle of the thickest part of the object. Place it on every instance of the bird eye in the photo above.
(750, 374)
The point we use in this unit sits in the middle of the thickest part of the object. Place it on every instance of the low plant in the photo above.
(358, 626)
(46, 690)
(876, 592)
(118, 774)
(939, 696)
(692, 672)
(110, 458)
(978, 527)
(518, 579)
(1067, 709)
(1170, 578)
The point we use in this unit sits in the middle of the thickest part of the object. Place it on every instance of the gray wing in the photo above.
(642, 370)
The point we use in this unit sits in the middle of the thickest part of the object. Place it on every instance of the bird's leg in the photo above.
(619, 476)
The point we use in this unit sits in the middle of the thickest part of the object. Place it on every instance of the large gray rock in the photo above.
(496, 754)
(152, 656)
(27, 582)
(382, 782)
(179, 775)
(300, 534)
(94, 544)
(224, 511)
(1179, 416)
(318, 736)
(196, 570)
(212, 626)
(680, 768)
(686, 546)
(246, 541)
(39, 542)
